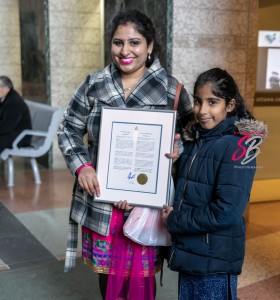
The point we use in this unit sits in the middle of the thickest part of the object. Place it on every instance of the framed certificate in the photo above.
(131, 163)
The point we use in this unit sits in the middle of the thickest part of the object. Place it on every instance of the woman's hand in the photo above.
(123, 205)
(88, 181)
(165, 213)
(175, 154)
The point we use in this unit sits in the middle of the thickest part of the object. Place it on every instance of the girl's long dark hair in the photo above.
(224, 86)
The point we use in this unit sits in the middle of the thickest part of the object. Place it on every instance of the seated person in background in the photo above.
(14, 115)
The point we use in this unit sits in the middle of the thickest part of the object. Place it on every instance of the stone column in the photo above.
(216, 33)
(10, 59)
(75, 44)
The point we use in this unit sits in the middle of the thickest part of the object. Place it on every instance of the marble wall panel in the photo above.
(14, 72)
(9, 41)
(57, 156)
(241, 81)
(33, 50)
(75, 45)
(74, 35)
(251, 71)
(198, 60)
(83, 59)
(74, 20)
(63, 93)
(216, 33)
(253, 24)
(10, 11)
(4, 4)
(204, 21)
(10, 59)
(252, 43)
(233, 5)
(8, 29)
(187, 79)
(254, 6)
(71, 75)
(10, 56)
(210, 41)
(90, 47)
(74, 6)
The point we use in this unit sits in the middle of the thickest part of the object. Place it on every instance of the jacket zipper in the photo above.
(170, 259)
(184, 189)
(180, 204)
(181, 201)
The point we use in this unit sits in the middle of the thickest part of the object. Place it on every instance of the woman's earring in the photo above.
(149, 56)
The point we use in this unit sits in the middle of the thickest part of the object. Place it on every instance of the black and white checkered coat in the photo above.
(156, 90)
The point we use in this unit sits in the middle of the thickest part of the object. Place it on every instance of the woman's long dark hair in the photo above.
(224, 86)
(142, 24)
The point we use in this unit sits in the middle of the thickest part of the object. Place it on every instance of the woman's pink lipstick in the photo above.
(126, 61)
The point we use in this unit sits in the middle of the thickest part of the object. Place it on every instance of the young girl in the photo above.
(215, 176)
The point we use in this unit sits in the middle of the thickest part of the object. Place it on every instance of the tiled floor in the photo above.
(33, 229)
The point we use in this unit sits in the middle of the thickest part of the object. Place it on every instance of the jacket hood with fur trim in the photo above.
(243, 127)
(253, 128)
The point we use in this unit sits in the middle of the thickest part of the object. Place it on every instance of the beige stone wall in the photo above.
(10, 61)
(212, 33)
(205, 34)
(75, 50)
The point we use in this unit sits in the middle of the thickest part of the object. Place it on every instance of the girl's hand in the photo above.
(175, 154)
(88, 181)
(165, 213)
(123, 205)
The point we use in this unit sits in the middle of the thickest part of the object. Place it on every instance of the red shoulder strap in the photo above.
(177, 95)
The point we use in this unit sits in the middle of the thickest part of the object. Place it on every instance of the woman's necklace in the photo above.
(131, 87)
(127, 89)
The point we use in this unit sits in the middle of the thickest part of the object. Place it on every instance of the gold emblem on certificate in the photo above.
(142, 178)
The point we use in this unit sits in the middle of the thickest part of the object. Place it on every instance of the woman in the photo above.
(135, 79)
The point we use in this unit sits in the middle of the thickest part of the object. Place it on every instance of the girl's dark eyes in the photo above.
(212, 102)
(198, 101)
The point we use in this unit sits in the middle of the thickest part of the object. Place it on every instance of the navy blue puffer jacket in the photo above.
(212, 192)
